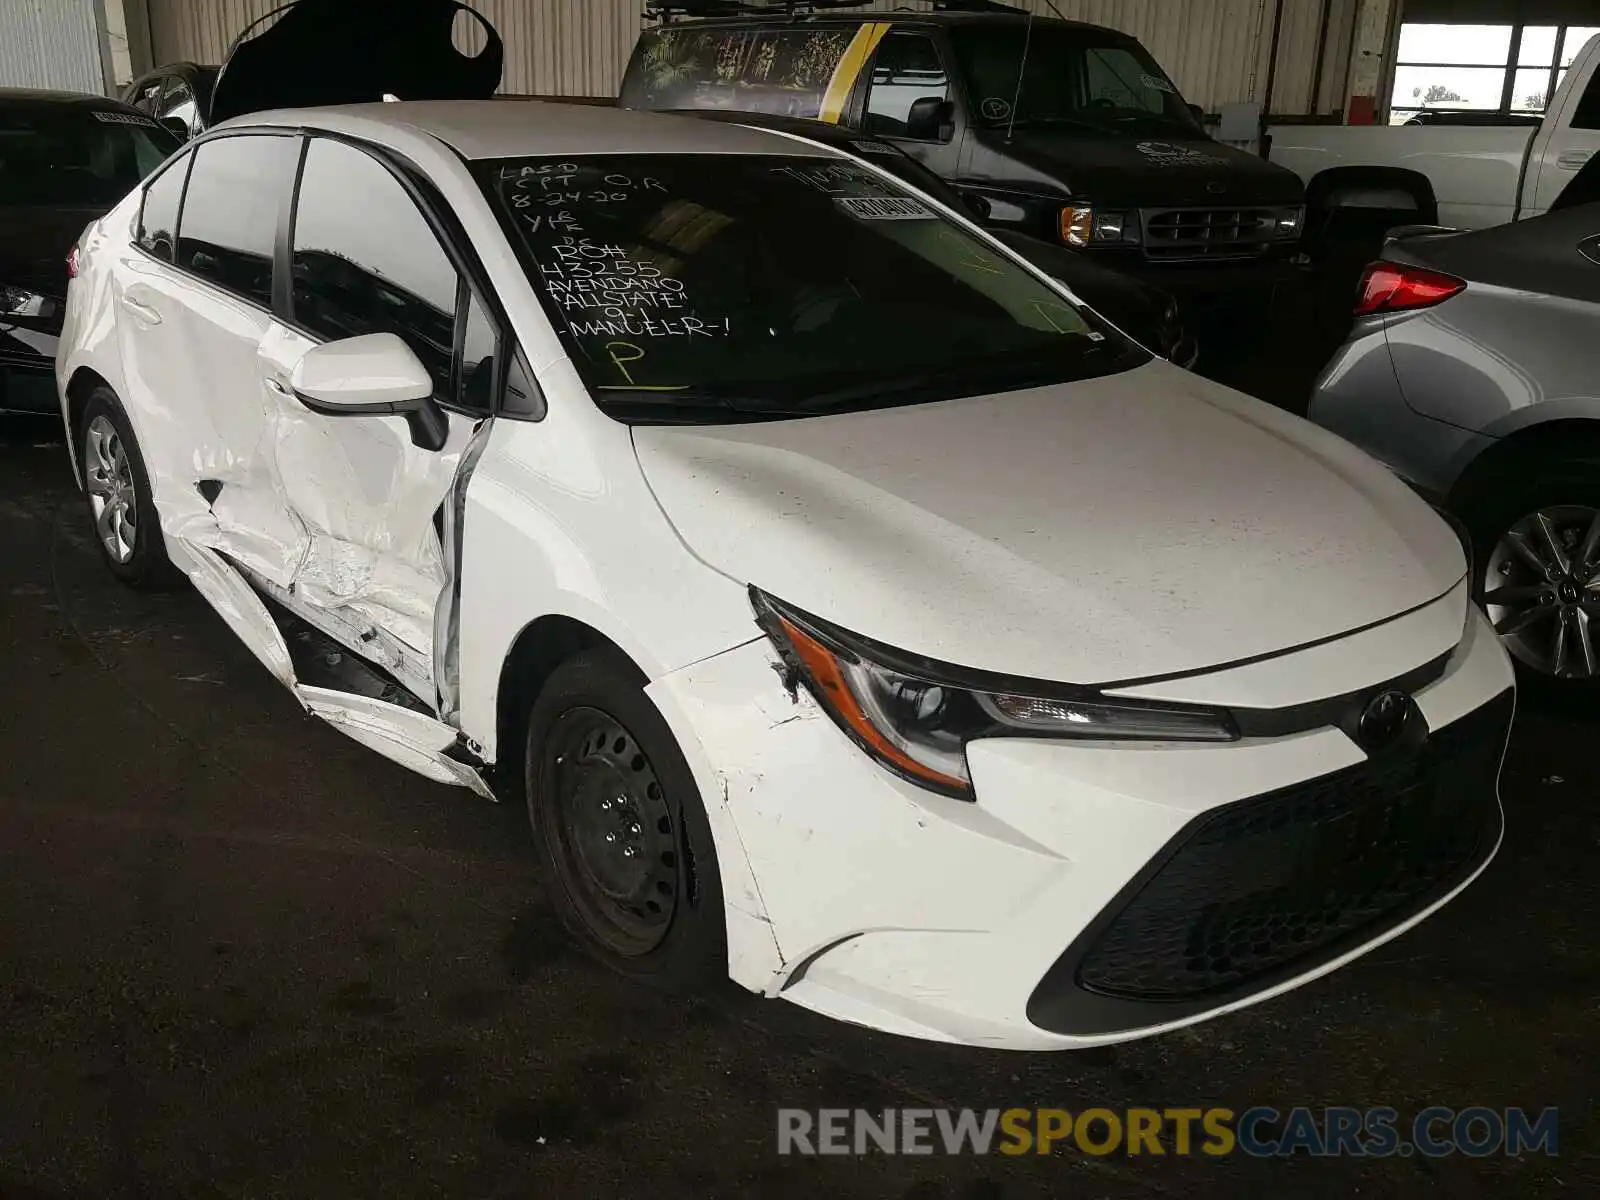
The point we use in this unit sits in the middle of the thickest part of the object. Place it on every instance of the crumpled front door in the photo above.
(366, 502)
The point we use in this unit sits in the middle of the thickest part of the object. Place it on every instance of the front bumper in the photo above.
(987, 922)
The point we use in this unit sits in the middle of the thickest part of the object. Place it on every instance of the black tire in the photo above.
(1491, 508)
(604, 900)
(147, 567)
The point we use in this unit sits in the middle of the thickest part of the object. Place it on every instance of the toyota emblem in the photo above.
(1383, 720)
(1215, 188)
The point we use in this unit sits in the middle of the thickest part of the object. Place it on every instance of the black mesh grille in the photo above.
(1257, 887)
(1208, 233)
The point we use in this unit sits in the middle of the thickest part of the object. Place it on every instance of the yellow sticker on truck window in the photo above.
(849, 69)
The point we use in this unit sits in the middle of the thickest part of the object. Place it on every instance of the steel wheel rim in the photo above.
(1541, 590)
(108, 476)
(613, 834)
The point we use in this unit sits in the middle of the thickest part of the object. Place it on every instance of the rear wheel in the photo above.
(1537, 546)
(117, 491)
(620, 826)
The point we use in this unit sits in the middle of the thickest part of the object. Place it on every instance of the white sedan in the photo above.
(857, 614)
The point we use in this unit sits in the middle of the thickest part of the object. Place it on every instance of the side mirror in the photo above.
(375, 375)
(931, 119)
(177, 127)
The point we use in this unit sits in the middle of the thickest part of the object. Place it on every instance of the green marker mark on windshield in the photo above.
(621, 361)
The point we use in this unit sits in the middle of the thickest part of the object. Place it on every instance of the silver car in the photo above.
(1473, 370)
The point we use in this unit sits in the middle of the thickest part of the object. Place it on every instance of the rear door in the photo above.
(366, 257)
(194, 303)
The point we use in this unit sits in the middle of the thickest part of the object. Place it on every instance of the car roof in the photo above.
(44, 98)
(482, 129)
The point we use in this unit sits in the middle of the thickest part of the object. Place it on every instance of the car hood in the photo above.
(34, 243)
(320, 52)
(1141, 524)
(1135, 170)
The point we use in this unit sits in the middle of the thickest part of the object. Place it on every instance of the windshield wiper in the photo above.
(692, 406)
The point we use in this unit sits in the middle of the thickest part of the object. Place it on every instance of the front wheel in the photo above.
(620, 825)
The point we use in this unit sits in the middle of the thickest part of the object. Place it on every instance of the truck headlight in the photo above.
(917, 723)
(1083, 225)
(1291, 221)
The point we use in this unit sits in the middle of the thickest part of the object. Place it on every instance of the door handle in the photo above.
(1571, 160)
(142, 312)
(279, 387)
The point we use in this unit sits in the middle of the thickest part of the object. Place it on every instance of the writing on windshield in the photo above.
(777, 282)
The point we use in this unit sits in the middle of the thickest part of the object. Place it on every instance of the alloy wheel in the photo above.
(112, 497)
(1541, 590)
(617, 846)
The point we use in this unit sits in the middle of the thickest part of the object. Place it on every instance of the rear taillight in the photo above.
(1392, 287)
(72, 263)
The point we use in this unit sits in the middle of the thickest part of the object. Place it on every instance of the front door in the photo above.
(1570, 138)
(909, 100)
(364, 259)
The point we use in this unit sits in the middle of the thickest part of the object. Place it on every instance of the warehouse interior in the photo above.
(1149, 765)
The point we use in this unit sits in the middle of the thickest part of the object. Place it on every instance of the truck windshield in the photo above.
(693, 286)
(1072, 77)
(67, 156)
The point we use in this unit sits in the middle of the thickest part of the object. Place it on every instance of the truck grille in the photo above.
(1179, 234)
(1289, 877)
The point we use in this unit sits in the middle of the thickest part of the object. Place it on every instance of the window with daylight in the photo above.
(1498, 70)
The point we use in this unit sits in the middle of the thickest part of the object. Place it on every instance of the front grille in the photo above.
(1264, 886)
(1178, 234)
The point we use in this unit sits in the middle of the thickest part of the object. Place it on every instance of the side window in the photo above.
(907, 69)
(367, 261)
(158, 216)
(480, 348)
(230, 214)
(1587, 114)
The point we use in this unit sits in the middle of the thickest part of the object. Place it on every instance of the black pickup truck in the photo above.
(1066, 131)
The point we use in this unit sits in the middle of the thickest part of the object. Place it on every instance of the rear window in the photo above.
(783, 70)
(66, 156)
(778, 285)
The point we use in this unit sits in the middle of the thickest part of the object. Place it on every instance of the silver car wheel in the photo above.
(1541, 589)
(112, 498)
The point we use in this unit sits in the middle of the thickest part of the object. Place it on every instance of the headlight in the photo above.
(1290, 221)
(19, 302)
(917, 718)
(1083, 224)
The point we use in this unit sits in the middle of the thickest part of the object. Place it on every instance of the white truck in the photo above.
(1462, 170)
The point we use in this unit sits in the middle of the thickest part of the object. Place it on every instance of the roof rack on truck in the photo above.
(667, 11)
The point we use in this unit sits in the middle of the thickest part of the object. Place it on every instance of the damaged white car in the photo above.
(856, 613)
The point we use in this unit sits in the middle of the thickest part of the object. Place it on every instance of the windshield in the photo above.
(65, 156)
(1073, 77)
(766, 285)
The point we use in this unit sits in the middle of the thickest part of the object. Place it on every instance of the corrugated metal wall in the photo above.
(51, 44)
(1216, 50)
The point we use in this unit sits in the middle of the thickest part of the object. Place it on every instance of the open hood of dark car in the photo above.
(318, 52)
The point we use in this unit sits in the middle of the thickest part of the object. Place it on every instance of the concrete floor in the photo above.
(242, 956)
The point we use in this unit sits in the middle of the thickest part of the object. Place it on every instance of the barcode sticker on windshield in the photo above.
(883, 208)
(117, 118)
